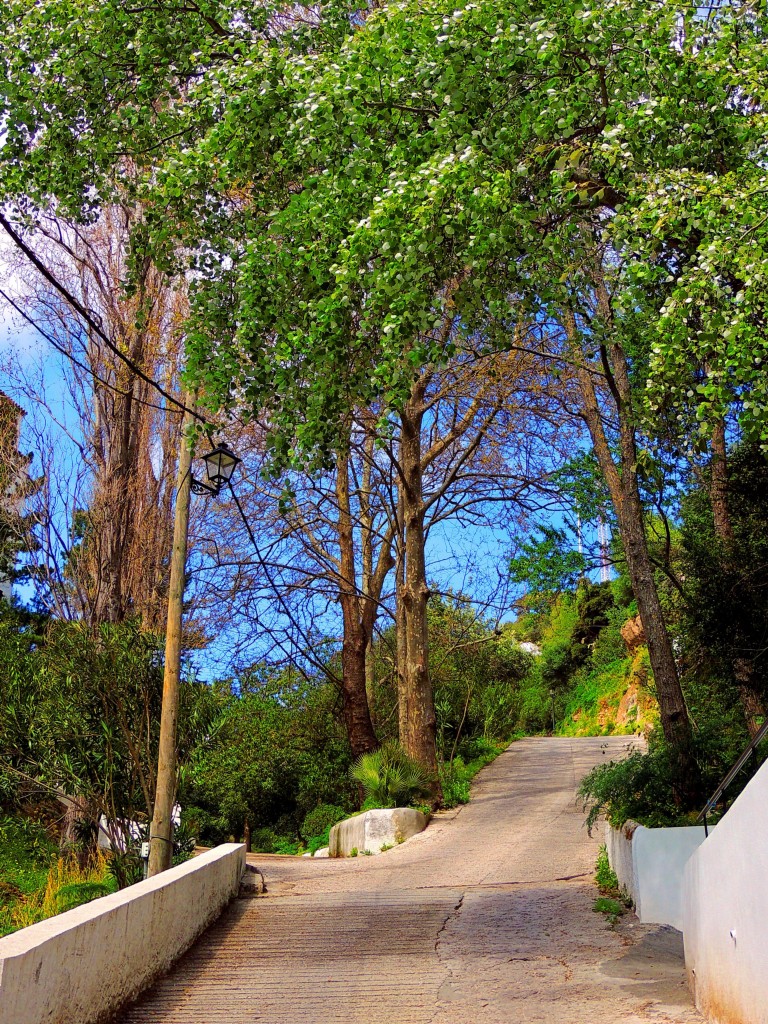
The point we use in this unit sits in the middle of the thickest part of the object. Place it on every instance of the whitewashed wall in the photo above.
(649, 863)
(725, 913)
(80, 967)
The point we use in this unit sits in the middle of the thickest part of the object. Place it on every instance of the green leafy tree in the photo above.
(277, 751)
(547, 565)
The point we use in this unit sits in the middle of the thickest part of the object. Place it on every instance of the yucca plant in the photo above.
(390, 778)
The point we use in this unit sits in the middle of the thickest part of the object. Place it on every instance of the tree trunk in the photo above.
(621, 480)
(419, 720)
(743, 667)
(357, 716)
(402, 653)
(113, 512)
(718, 486)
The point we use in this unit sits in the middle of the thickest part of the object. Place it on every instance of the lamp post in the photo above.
(220, 464)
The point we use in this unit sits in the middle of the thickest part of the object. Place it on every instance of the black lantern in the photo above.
(220, 465)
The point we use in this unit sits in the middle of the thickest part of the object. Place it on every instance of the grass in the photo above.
(612, 909)
(67, 886)
(613, 900)
(35, 884)
(456, 775)
(605, 877)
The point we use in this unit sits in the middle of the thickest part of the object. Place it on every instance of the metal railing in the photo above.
(751, 748)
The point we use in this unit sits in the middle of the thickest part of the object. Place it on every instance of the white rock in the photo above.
(322, 852)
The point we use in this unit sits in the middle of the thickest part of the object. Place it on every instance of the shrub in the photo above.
(321, 819)
(316, 843)
(67, 885)
(390, 777)
(287, 846)
(640, 787)
(455, 781)
(264, 840)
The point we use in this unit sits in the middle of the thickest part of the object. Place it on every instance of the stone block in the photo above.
(369, 831)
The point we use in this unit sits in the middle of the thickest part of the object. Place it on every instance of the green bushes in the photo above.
(639, 787)
(319, 820)
(278, 750)
(456, 776)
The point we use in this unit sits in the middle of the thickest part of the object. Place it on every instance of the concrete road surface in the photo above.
(485, 918)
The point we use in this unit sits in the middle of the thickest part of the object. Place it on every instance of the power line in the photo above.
(75, 361)
(86, 315)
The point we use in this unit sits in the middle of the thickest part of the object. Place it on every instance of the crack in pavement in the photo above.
(452, 915)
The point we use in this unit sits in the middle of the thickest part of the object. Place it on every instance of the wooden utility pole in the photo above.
(161, 831)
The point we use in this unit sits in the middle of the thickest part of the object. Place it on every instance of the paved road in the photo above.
(485, 918)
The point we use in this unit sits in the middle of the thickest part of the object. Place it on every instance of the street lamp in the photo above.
(219, 465)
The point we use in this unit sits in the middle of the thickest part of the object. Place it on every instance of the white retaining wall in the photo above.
(725, 913)
(649, 863)
(80, 967)
(618, 843)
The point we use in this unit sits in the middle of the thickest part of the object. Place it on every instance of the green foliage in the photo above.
(609, 646)
(126, 868)
(612, 909)
(288, 847)
(475, 671)
(639, 788)
(605, 876)
(278, 749)
(320, 819)
(319, 842)
(547, 565)
(456, 775)
(589, 707)
(490, 121)
(77, 893)
(724, 619)
(389, 777)
(26, 853)
(264, 840)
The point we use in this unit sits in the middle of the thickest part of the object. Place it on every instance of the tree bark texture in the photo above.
(357, 627)
(419, 718)
(622, 482)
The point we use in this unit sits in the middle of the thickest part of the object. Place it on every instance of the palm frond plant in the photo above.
(390, 778)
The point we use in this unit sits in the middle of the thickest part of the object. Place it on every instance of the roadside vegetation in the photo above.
(480, 341)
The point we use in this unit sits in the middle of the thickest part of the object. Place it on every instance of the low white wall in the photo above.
(81, 966)
(618, 843)
(649, 863)
(660, 856)
(725, 913)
